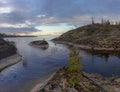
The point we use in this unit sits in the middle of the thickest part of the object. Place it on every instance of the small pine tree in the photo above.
(76, 66)
(108, 22)
(75, 60)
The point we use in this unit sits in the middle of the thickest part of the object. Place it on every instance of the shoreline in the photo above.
(40, 86)
(17, 36)
(31, 44)
(8, 61)
(88, 47)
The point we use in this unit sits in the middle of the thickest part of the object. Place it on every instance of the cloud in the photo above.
(14, 26)
(75, 20)
(68, 8)
(4, 10)
(41, 16)
(17, 30)
(47, 20)
(3, 1)
(46, 33)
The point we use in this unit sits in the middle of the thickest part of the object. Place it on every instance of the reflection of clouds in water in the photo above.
(54, 50)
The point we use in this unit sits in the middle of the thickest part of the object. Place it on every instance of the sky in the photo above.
(53, 17)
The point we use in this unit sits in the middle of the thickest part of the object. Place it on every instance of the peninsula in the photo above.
(95, 36)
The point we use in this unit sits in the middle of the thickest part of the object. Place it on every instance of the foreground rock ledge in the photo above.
(89, 83)
(6, 62)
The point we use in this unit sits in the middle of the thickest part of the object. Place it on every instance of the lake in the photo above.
(37, 64)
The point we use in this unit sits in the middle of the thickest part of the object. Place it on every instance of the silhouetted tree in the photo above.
(92, 20)
(107, 22)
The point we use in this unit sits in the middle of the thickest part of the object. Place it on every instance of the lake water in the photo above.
(39, 64)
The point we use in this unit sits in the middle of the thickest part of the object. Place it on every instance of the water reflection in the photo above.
(25, 62)
(106, 57)
(92, 58)
(54, 50)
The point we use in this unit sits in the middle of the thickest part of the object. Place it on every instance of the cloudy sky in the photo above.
(43, 17)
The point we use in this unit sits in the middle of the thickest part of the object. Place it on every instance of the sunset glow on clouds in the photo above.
(53, 17)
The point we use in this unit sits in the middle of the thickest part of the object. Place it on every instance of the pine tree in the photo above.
(76, 66)
(92, 20)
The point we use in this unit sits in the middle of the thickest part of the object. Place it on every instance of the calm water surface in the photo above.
(38, 64)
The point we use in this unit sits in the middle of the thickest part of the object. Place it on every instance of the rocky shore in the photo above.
(98, 37)
(90, 48)
(40, 43)
(88, 83)
(8, 61)
(40, 86)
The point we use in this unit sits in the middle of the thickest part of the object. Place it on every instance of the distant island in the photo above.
(96, 36)
(14, 35)
(43, 44)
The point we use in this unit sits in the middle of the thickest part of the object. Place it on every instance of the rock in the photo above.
(117, 80)
(89, 83)
(72, 90)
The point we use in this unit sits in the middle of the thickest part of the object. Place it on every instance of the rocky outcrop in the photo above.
(7, 48)
(6, 62)
(94, 36)
(40, 43)
(8, 54)
(88, 83)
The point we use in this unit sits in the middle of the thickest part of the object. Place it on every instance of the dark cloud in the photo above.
(17, 30)
(66, 8)
(13, 17)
